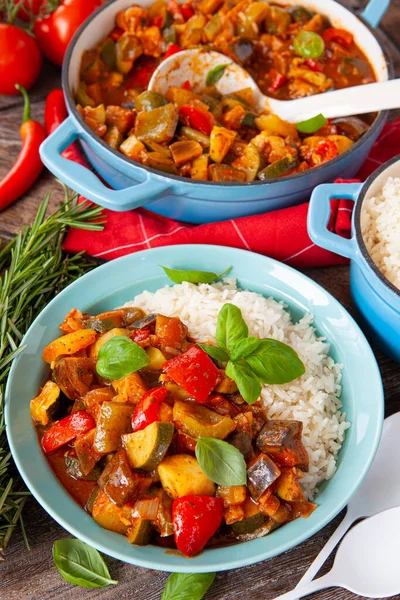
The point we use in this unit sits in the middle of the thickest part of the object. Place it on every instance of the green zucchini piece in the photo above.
(249, 524)
(279, 167)
(73, 468)
(92, 499)
(114, 420)
(108, 53)
(259, 532)
(147, 448)
(139, 532)
(148, 100)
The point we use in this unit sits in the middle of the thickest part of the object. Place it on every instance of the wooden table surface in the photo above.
(31, 575)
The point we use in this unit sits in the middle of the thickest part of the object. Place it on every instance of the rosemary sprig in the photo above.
(33, 269)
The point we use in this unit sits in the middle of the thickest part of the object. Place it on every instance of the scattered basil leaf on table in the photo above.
(80, 564)
(312, 125)
(274, 362)
(181, 275)
(231, 327)
(221, 462)
(215, 75)
(248, 383)
(187, 586)
(120, 356)
(215, 352)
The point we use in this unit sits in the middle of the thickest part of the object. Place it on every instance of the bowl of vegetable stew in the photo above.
(198, 157)
(113, 284)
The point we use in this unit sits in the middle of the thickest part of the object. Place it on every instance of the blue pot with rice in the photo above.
(374, 249)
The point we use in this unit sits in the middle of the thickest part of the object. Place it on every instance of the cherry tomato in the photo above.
(20, 59)
(55, 30)
(29, 8)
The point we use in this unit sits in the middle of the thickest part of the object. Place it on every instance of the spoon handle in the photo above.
(327, 549)
(309, 588)
(370, 97)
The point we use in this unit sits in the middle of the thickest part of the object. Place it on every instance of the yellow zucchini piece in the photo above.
(107, 514)
(342, 142)
(133, 148)
(233, 495)
(157, 125)
(157, 359)
(43, 406)
(274, 125)
(287, 486)
(95, 349)
(199, 168)
(139, 532)
(181, 475)
(176, 391)
(221, 140)
(69, 344)
(180, 96)
(185, 151)
(250, 162)
(130, 388)
(198, 421)
(114, 420)
(147, 448)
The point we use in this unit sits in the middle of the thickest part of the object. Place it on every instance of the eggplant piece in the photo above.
(279, 433)
(163, 521)
(261, 474)
(145, 322)
(74, 470)
(106, 321)
(45, 405)
(299, 14)
(74, 375)
(146, 448)
(132, 315)
(86, 453)
(114, 420)
(113, 137)
(198, 421)
(117, 479)
(242, 441)
(354, 127)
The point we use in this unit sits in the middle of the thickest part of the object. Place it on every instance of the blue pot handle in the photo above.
(374, 12)
(85, 182)
(319, 214)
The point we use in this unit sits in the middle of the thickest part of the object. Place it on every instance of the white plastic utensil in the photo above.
(379, 491)
(194, 65)
(367, 561)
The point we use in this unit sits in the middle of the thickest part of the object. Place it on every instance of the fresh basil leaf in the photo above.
(274, 362)
(215, 352)
(221, 462)
(215, 75)
(247, 382)
(187, 586)
(120, 356)
(244, 347)
(180, 275)
(80, 564)
(231, 327)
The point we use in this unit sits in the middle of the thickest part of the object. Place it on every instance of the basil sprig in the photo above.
(187, 586)
(181, 275)
(221, 462)
(80, 564)
(215, 75)
(120, 356)
(251, 361)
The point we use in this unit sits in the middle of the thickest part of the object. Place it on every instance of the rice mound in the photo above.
(313, 398)
(380, 227)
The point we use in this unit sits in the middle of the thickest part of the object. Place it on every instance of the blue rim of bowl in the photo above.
(378, 121)
(191, 568)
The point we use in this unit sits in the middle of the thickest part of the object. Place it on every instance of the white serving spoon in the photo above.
(367, 561)
(379, 491)
(194, 65)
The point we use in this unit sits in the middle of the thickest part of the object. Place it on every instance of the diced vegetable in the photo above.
(198, 421)
(196, 518)
(199, 168)
(163, 521)
(282, 440)
(197, 136)
(157, 359)
(213, 28)
(302, 509)
(312, 125)
(340, 36)
(94, 350)
(139, 532)
(287, 486)
(194, 371)
(91, 500)
(45, 404)
(261, 474)
(113, 137)
(278, 21)
(268, 503)
(146, 448)
(108, 53)
(157, 125)
(279, 167)
(73, 469)
(227, 174)
(130, 388)
(253, 519)
(148, 409)
(196, 118)
(114, 420)
(180, 95)
(351, 126)
(74, 375)
(123, 119)
(107, 514)
(117, 480)
(236, 494)
(95, 398)
(128, 49)
(250, 162)
(221, 140)
(300, 14)
(159, 161)
(274, 125)
(242, 441)
(171, 331)
(72, 322)
(149, 100)
(185, 151)
(69, 344)
(308, 44)
(268, 526)
(85, 451)
(181, 475)
(341, 142)
(147, 508)
(133, 148)
(64, 431)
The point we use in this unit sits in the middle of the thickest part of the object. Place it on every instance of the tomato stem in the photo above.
(27, 104)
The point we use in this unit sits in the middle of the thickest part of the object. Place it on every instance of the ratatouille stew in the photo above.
(291, 53)
(127, 447)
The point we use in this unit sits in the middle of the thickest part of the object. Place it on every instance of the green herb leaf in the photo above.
(180, 275)
(244, 348)
(187, 586)
(80, 564)
(215, 75)
(312, 125)
(247, 381)
(120, 356)
(221, 462)
(231, 327)
(215, 352)
(275, 362)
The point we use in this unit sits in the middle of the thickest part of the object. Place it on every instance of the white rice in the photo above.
(380, 227)
(313, 398)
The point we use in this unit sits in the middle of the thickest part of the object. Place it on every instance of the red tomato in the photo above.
(32, 7)
(55, 30)
(20, 59)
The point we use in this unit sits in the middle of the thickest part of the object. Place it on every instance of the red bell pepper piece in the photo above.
(195, 520)
(313, 65)
(157, 21)
(64, 431)
(277, 81)
(140, 76)
(147, 410)
(341, 36)
(172, 49)
(199, 119)
(175, 11)
(194, 371)
(187, 11)
(140, 335)
(116, 33)
(187, 86)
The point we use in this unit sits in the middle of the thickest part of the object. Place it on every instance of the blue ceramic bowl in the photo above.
(377, 300)
(116, 282)
(180, 198)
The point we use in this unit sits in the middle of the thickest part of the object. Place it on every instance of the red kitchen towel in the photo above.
(280, 234)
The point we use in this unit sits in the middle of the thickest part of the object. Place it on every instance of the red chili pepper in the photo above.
(199, 119)
(172, 49)
(187, 86)
(313, 65)
(341, 36)
(194, 371)
(28, 165)
(277, 80)
(195, 519)
(140, 335)
(64, 431)
(148, 408)
(116, 33)
(157, 21)
(187, 11)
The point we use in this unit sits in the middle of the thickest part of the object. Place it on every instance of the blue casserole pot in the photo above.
(136, 185)
(376, 298)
